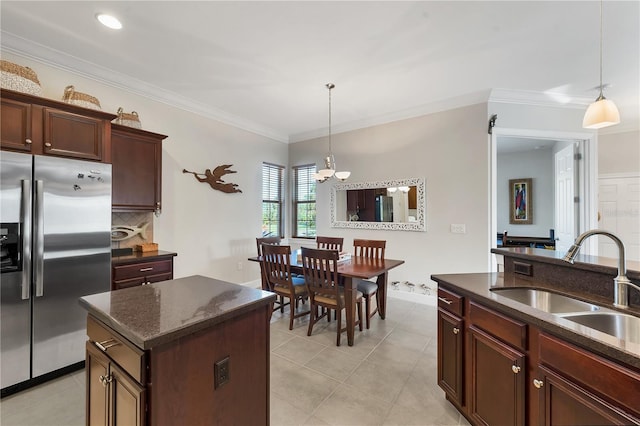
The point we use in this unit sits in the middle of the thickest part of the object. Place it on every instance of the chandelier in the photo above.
(329, 161)
(602, 112)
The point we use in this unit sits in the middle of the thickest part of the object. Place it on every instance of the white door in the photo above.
(564, 217)
(619, 213)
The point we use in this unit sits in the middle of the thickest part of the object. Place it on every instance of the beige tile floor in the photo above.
(387, 378)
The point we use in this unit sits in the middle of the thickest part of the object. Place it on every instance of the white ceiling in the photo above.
(263, 65)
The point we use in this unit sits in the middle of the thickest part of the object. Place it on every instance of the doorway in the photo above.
(551, 212)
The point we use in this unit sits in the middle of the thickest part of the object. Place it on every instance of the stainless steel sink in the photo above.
(622, 326)
(608, 321)
(546, 301)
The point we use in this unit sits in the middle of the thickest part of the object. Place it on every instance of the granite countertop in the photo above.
(586, 262)
(138, 256)
(159, 313)
(478, 287)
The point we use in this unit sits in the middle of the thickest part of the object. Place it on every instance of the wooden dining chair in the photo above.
(330, 243)
(320, 267)
(277, 265)
(259, 242)
(372, 249)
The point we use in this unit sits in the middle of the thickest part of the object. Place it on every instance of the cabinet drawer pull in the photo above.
(105, 380)
(447, 301)
(146, 269)
(47, 144)
(28, 141)
(106, 344)
(538, 383)
(456, 330)
(516, 369)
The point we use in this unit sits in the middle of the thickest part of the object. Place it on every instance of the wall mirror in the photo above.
(387, 205)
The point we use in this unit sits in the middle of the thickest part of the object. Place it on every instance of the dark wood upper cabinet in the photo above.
(73, 135)
(136, 156)
(16, 126)
(42, 126)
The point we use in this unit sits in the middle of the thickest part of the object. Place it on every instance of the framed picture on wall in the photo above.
(520, 202)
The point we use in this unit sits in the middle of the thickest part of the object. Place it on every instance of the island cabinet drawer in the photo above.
(616, 383)
(143, 269)
(120, 350)
(507, 329)
(450, 301)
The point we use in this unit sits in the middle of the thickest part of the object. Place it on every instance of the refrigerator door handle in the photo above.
(39, 238)
(25, 212)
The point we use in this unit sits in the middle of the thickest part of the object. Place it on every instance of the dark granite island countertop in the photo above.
(159, 313)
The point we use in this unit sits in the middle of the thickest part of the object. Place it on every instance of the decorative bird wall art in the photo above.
(214, 179)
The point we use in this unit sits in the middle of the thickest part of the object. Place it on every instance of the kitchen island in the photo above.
(523, 359)
(193, 350)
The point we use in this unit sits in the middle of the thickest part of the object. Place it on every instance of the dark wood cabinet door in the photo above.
(96, 367)
(72, 135)
(497, 381)
(565, 403)
(15, 120)
(127, 399)
(136, 156)
(450, 355)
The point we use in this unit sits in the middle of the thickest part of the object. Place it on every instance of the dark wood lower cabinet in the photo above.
(498, 370)
(497, 381)
(113, 397)
(175, 383)
(141, 271)
(565, 403)
(578, 387)
(450, 355)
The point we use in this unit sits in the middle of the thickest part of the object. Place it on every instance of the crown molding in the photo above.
(74, 65)
(546, 99)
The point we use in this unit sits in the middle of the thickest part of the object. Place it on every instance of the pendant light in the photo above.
(602, 112)
(329, 161)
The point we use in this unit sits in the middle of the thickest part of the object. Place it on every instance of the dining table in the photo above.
(350, 270)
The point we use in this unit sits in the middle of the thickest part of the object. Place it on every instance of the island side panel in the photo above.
(182, 375)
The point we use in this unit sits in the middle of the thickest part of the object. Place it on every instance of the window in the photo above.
(304, 201)
(272, 200)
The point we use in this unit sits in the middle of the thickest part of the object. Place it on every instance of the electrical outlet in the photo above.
(221, 373)
(239, 266)
(458, 228)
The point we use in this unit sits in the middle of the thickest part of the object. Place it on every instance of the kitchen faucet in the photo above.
(621, 282)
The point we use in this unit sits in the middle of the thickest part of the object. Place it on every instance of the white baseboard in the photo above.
(425, 299)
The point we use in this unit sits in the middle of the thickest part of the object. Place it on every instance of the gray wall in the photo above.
(450, 150)
(535, 164)
(619, 152)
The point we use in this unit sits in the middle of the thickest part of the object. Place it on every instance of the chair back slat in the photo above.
(277, 265)
(372, 249)
(330, 243)
(267, 240)
(320, 267)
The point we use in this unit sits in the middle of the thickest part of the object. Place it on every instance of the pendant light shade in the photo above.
(329, 161)
(602, 112)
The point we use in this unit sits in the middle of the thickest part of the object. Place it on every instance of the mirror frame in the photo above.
(418, 225)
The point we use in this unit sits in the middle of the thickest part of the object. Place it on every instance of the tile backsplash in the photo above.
(133, 219)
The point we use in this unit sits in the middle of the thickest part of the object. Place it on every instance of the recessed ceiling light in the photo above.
(109, 21)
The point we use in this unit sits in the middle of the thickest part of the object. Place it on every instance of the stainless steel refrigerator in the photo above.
(55, 216)
(384, 208)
